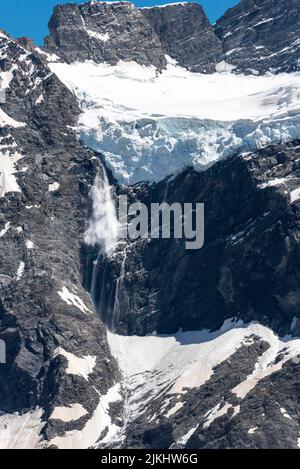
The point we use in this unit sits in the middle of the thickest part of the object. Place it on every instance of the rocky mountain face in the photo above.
(103, 32)
(46, 317)
(148, 345)
(254, 36)
(109, 32)
(261, 35)
(247, 268)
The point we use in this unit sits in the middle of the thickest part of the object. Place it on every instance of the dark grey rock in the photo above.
(248, 267)
(261, 35)
(104, 32)
(186, 35)
(34, 319)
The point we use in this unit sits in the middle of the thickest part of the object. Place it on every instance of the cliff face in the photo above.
(255, 36)
(46, 317)
(186, 35)
(120, 31)
(261, 35)
(247, 268)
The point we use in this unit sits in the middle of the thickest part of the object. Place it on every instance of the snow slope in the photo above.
(21, 431)
(150, 125)
(171, 365)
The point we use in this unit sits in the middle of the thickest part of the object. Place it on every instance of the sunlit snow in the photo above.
(81, 366)
(149, 125)
(154, 365)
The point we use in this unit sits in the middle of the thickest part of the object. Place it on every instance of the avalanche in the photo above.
(150, 125)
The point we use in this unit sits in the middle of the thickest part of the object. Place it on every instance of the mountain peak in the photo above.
(113, 31)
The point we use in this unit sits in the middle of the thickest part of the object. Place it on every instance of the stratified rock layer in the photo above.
(261, 35)
(186, 35)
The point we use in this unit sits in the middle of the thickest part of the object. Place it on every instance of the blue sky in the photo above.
(30, 17)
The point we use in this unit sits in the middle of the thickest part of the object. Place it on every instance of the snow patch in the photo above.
(224, 66)
(174, 409)
(68, 414)
(252, 430)
(5, 229)
(29, 244)
(89, 435)
(273, 182)
(77, 366)
(39, 100)
(185, 438)
(285, 414)
(73, 300)
(7, 77)
(271, 361)
(295, 195)
(49, 57)
(215, 413)
(6, 121)
(8, 181)
(96, 35)
(20, 270)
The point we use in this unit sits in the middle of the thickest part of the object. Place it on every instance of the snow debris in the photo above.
(170, 365)
(20, 270)
(104, 226)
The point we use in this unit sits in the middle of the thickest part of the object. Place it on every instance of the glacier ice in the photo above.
(150, 125)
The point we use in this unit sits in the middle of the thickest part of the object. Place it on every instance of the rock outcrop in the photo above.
(247, 268)
(109, 32)
(261, 35)
(186, 35)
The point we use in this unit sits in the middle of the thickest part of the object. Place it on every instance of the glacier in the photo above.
(150, 125)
